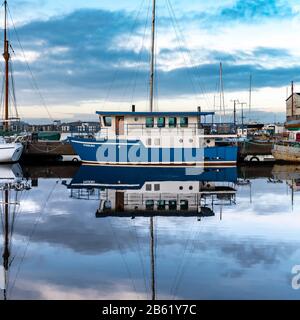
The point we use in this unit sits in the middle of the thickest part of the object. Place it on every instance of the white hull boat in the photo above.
(10, 152)
(286, 151)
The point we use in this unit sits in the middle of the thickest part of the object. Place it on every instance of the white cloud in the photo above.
(48, 291)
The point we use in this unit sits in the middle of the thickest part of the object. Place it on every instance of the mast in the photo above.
(293, 181)
(151, 110)
(6, 252)
(152, 57)
(242, 104)
(234, 113)
(292, 113)
(250, 94)
(222, 103)
(6, 57)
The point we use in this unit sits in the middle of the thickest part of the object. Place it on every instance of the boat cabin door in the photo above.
(120, 201)
(119, 126)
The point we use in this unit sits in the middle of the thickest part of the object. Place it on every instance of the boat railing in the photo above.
(102, 134)
(190, 129)
(142, 129)
(220, 128)
(288, 143)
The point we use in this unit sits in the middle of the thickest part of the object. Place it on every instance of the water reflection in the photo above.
(155, 191)
(12, 187)
(96, 233)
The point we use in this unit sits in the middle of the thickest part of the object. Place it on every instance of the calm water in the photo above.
(241, 245)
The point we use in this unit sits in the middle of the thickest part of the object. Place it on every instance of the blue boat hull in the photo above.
(135, 177)
(133, 152)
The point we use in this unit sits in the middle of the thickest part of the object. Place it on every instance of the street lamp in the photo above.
(242, 105)
(235, 102)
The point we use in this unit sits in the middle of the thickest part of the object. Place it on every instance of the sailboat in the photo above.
(173, 138)
(10, 151)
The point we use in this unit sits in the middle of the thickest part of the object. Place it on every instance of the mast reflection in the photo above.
(12, 185)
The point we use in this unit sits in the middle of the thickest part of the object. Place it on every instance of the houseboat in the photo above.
(158, 138)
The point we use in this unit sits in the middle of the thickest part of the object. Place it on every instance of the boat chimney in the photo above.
(133, 108)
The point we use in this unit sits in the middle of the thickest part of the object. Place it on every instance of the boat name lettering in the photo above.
(89, 145)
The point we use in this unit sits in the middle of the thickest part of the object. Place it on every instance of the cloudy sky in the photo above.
(93, 55)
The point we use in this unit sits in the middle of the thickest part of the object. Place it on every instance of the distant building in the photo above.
(293, 112)
(80, 127)
(15, 126)
(42, 127)
(249, 129)
(66, 127)
(293, 107)
(274, 128)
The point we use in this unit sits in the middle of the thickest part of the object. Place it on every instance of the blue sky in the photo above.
(92, 55)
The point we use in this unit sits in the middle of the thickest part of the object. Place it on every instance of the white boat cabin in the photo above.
(135, 124)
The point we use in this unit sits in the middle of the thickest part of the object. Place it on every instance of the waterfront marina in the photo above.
(149, 156)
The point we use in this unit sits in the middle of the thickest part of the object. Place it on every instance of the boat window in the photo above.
(172, 122)
(149, 205)
(161, 205)
(148, 187)
(172, 205)
(184, 205)
(107, 121)
(149, 142)
(184, 122)
(161, 122)
(156, 187)
(107, 205)
(157, 141)
(149, 122)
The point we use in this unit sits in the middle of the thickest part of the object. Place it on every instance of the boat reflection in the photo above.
(12, 185)
(132, 192)
(288, 173)
(149, 192)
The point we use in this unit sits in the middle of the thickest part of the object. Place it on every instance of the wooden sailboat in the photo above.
(10, 151)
